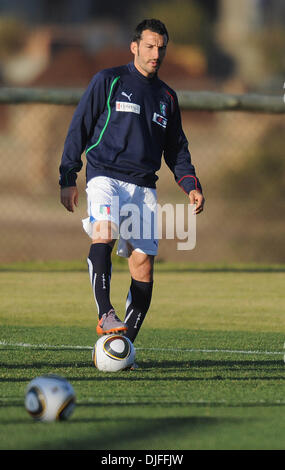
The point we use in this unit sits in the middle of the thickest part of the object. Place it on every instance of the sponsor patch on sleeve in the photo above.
(161, 120)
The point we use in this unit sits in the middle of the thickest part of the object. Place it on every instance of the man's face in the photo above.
(149, 52)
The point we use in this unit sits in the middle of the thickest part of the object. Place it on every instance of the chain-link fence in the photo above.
(239, 158)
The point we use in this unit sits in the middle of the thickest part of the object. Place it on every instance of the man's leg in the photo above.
(140, 293)
(100, 266)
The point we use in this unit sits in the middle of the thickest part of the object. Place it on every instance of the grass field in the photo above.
(211, 356)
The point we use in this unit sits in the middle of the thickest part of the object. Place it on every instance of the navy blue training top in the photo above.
(125, 122)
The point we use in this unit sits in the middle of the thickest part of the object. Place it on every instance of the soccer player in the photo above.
(125, 121)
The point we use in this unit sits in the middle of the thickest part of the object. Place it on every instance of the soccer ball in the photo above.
(113, 353)
(49, 398)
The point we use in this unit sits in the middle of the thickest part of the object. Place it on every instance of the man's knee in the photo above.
(141, 266)
(104, 232)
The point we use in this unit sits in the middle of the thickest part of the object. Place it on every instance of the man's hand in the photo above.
(196, 197)
(69, 197)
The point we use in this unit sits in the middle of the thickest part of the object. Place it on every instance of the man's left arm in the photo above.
(178, 159)
(196, 197)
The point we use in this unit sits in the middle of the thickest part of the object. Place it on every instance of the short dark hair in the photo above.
(156, 26)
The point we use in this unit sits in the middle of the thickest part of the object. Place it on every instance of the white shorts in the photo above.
(132, 208)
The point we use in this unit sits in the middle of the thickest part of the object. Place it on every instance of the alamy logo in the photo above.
(143, 222)
(127, 96)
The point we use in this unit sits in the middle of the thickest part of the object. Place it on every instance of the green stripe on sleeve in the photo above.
(108, 116)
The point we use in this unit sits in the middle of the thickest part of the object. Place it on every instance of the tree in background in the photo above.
(13, 33)
(187, 21)
(190, 23)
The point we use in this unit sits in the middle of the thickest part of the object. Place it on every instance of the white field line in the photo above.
(175, 350)
(14, 401)
(43, 346)
(227, 351)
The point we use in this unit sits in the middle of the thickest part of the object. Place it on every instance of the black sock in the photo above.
(138, 302)
(99, 265)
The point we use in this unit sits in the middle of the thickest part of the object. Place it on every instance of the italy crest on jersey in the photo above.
(163, 109)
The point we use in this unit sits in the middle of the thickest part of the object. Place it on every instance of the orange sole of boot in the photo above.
(100, 331)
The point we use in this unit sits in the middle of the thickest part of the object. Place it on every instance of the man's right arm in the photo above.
(69, 197)
(84, 119)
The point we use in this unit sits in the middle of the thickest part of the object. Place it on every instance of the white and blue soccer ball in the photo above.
(50, 398)
(113, 353)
